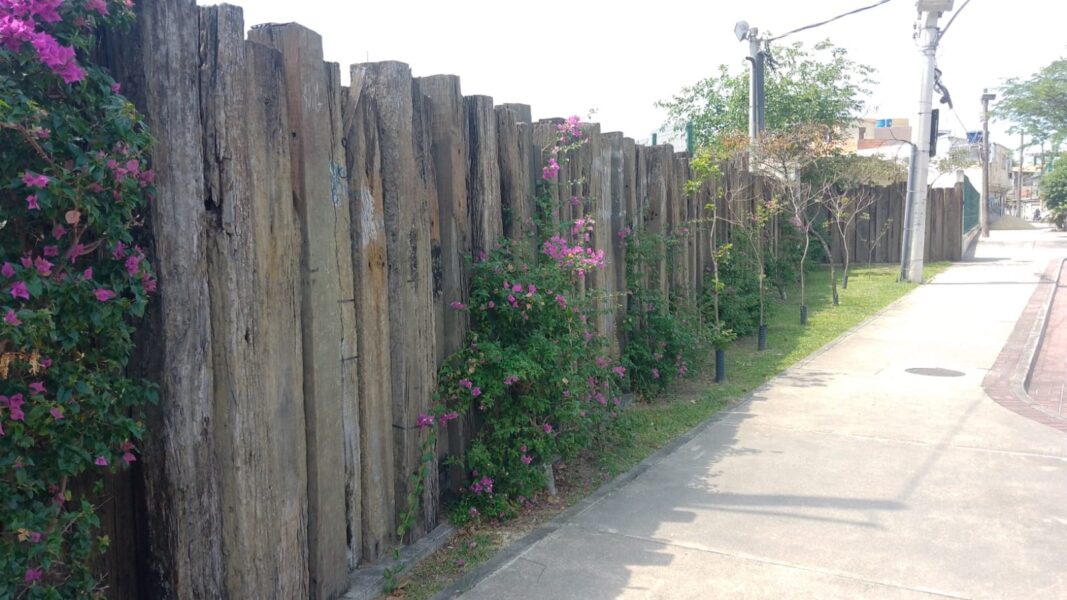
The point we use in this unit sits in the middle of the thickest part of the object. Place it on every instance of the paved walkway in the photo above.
(1047, 385)
(846, 477)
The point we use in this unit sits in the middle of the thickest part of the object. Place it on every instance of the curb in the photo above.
(367, 583)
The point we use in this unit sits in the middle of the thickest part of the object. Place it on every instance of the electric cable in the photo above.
(831, 20)
(953, 19)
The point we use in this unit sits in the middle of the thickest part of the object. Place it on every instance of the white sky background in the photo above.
(619, 58)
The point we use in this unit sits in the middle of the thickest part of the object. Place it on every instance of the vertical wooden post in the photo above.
(157, 62)
(370, 269)
(253, 276)
(407, 185)
(517, 173)
(616, 218)
(328, 315)
(486, 215)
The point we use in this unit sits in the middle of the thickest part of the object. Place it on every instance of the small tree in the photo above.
(1054, 193)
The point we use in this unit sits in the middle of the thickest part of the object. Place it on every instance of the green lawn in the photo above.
(646, 427)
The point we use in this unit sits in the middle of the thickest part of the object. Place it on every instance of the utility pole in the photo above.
(758, 60)
(983, 206)
(930, 11)
(1019, 183)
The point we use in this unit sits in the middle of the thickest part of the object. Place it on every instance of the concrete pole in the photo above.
(983, 212)
(921, 139)
(755, 85)
(1019, 183)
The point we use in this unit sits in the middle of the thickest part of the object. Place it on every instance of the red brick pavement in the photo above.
(1004, 382)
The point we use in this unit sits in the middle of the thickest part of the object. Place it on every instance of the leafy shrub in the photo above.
(73, 178)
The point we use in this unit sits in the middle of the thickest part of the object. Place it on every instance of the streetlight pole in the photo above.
(756, 103)
(983, 211)
(930, 11)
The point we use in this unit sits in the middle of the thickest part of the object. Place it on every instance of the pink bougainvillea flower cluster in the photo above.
(551, 170)
(571, 129)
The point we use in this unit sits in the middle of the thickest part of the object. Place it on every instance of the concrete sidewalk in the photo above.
(846, 477)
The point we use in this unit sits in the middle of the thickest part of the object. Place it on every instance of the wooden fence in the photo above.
(309, 237)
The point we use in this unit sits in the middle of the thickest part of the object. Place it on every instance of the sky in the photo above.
(616, 59)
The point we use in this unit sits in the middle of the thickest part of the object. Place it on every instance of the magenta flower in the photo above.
(119, 251)
(133, 265)
(531, 289)
(487, 484)
(103, 295)
(511, 300)
(550, 171)
(58, 231)
(116, 88)
(35, 537)
(449, 416)
(682, 370)
(492, 304)
(56, 412)
(620, 371)
(11, 318)
(37, 387)
(150, 284)
(510, 379)
(36, 181)
(32, 574)
(18, 290)
(465, 383)
(128, 457)
(43, 266)
(14, 404)
(424, 421)
(526, 459)
(601, 362)
(46, 363)
(456, 304)
(561, 301)
(51, 251)
(31, 202)
(589, 335)
(655, 373)
(87, 274)
(78, 250)
(8, 270)
(517, 288)
(548, 428)
(99, 6)
(26, 262)
(476, 391)
(100, 461)
(57, 57)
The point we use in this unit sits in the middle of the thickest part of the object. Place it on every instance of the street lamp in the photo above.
(756, 105)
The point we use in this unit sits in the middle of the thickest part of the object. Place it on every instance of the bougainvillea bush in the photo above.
(536, 376)
(73, 179)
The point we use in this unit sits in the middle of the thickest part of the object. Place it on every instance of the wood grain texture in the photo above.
(328, 310)
(518, 160)
(486, 214)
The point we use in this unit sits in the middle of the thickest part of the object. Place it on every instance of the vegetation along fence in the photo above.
(309, 238)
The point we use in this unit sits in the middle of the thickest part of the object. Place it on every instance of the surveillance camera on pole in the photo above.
(929, 11)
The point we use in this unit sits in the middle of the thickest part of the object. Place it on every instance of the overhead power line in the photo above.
(831, 20)
(953, 19)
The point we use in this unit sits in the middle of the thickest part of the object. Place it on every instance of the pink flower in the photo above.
(424, 421)
(116, 88)
(133, 265)
(51, 251)
(150, 284)
(8, 270)
(97, 5)
(456, 304)
(11, 318)
(526, 459)
(476, 391)
(100, 461)
(492, 304)
(511, 299)
(487, 484)
(32, 574)
(37, 387)
(46, 363)
(601, 362)
(43, 266)
(18, 290)
(58, 231)
(548, 428)
(510, 380)
(449, 416)
(26, 262)
(87, 274)
(655, 373)
(620, 371)
(56, 412)
(517, 288)
(103, 295)
(550, 171)
(682, 370)
(128, 457)
(57, 57)
(531, 289)
(31, 202)
(119, 251)
(465, 383)
(35, 537)
(589, 335)
(15, 31)
(36, 181)
(473, 512)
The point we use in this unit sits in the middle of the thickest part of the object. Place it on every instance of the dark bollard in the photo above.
(720, 365)
(762, 345)
(804, 315)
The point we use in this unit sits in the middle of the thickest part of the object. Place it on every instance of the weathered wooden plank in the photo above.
(157, 63)
(616, 218)
(657, 224)
(450, 158)
(486, 214)
(328, 309)
(680, 228)
(370, 268)
(517, 176)
(253, 277)
(407, 187)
